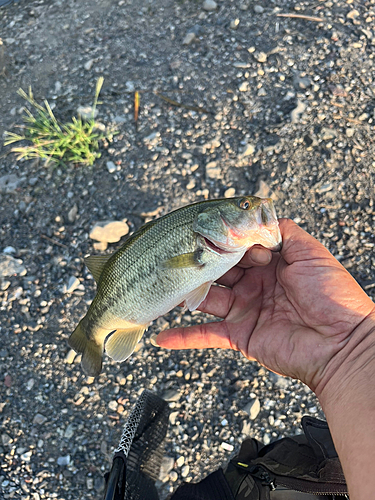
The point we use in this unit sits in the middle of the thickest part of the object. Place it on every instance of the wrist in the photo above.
(352, 365)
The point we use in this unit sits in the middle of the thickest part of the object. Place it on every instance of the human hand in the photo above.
(294, 315)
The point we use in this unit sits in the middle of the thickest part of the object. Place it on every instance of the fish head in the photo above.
(236, 224)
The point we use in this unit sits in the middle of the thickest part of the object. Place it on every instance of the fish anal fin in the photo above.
(192, 259)
(92, 359)
(197, 296)
(122, 342)
(96, 263)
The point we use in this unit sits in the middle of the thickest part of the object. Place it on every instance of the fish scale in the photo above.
(168, 261)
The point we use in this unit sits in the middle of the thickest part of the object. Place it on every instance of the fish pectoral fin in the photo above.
(95, 264)
(121, 343)
(197, 296)
(192, 259)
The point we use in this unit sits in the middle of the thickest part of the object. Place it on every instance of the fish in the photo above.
(169, 261)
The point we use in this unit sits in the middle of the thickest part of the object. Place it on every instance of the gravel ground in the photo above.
(288, 110)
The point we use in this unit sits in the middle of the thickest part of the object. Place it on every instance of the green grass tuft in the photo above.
(73, 142)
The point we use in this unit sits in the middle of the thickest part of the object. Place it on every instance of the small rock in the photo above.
(230, 192)
(350, 132)
(167, 465)
(111, 167)
(58, 87)
(173, 476)
(253, 408)
(262, 92)
(100, 246)
(130, 87)
(10, 182)
(249, 149)
(15, 294)
(180, 461)
(244, 6)
(363, 117)
(234, 24)
(227, 446)
(244, 87)
(73, 284)
(171, 395)
(353, 14)
(209, 5)
(296, 114)
(87, 112)
(185, 471)
(88, 64)
(246, 426)
(9, 266)
(258, 9)
(301, 82)
(39, 419)
(261, 57)
(70, 357)
(8, 250)
(6, 439)
(112, 405)
(63, 460)
(266, 439)
(25, 457)
(172, 417)
(69, 431)
(33, 181)
(72, 214)
(4, 285)
(191, 184)
(224, 422)
(327, 134)
(212, 170)
(328, 186)
(109, 231)
(189, 38)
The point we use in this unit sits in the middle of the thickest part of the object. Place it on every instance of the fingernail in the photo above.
(260, 255)
(153, 337)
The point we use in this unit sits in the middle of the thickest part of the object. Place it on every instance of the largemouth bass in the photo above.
(171, 260)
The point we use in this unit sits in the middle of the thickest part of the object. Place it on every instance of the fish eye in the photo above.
(244, 204)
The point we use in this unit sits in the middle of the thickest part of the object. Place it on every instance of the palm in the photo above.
(292, 315)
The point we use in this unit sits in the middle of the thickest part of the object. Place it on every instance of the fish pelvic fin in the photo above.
(92, 353)
(121, 343)
(197, 296)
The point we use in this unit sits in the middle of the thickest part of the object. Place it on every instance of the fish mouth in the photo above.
(212, 246)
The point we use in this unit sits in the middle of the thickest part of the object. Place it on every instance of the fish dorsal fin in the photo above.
(121, 343)
(96, 264)
(197, 296)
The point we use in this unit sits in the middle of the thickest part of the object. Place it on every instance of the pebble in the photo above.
(258, 9)
(266, 439)
(33, 181)
(249, 149)
(350, 132)
(244, 6)
(10, 182)
(8, 250)
(353, 14)
(261, 57)
(111, 167)
(64, 460)
(209, 5)
(172, 417)
(212, 170)
(6, 439)
(185, 471)
(327, 134)
(109, 231)
(112, 405)
(72, 214)
(328, 186)
(230, 192)
(180, 461)
(234, 24)
(191, 184)
(244, 87)
(72, 285)
(166, 466)
(173, 476)
(171, 395)
(25, 457)
(88, 64)
(296, 114)
(69, 431)
(39, 419)
(87, 112)
(189, 38)
(227, 446)
(9, 266)
(253, 408)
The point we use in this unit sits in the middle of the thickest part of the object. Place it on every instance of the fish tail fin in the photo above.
(92, 353)
(122, 343)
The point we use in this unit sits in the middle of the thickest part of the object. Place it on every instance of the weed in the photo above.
(73, 142)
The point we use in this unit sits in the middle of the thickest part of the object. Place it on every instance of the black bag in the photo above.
(303, 467)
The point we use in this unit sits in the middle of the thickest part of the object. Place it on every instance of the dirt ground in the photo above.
(288, 110)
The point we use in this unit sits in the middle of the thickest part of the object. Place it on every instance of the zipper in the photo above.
(302, 485)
